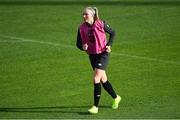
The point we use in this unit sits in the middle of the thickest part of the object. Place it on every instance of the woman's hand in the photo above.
(85, 47)
(108, 49)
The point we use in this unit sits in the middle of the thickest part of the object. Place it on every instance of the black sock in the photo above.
(108, 87)
(97, 93)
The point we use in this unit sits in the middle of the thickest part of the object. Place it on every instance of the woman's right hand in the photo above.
(85, 47)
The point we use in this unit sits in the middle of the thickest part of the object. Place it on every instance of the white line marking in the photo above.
(11, 41)
(18, 39)
(35, 41)
(147, 58)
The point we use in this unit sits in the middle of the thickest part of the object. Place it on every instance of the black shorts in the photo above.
(99, 61)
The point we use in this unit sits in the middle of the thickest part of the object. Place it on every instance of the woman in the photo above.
(91, 38)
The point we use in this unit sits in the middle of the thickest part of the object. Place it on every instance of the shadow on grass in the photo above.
(81, 2)
(81, 110)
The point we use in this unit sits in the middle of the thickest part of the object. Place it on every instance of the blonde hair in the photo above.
(94, 11)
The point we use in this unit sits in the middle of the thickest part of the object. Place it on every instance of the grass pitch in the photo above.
(43, 75)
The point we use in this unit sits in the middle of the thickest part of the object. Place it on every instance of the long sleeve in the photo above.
(79, 41)
(111, 33)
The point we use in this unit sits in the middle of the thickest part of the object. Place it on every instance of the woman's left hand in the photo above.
(108, 49)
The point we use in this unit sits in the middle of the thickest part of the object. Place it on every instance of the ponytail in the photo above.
(96, 16)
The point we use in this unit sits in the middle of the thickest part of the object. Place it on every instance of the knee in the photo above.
(97, 79)
(104, 78)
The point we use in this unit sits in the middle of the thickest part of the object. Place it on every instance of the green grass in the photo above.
(43, 75)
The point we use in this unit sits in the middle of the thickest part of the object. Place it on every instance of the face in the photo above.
(87, 15)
